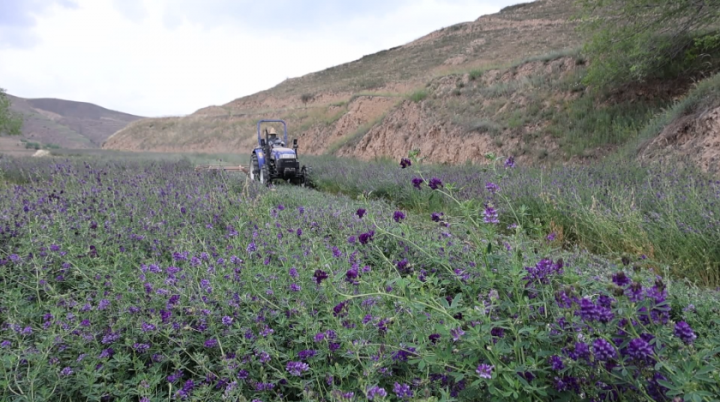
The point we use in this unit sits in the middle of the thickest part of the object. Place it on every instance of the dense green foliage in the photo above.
(147, 281)
(632, 40)
(10, 123)
(615, 209)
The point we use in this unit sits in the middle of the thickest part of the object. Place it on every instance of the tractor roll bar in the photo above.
(271, 121)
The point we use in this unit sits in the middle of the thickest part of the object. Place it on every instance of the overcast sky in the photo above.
(172, 57)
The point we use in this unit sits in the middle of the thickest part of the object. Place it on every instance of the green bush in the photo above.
(419, 95)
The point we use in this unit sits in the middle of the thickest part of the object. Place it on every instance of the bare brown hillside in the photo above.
(352, 103)
(509, 83)
(67, 124)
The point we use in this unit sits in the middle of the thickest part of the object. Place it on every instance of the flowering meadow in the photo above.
(148, 281)
(671, 215)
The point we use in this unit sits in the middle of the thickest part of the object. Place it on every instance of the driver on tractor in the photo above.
(273, 139)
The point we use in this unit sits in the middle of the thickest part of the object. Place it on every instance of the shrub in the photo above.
(419, 95)
(475, 74)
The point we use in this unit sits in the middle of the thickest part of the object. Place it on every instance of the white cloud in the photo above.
(127, 56)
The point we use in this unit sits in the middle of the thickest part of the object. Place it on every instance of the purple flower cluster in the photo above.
(375, 392)
(684, 332)
(296, 368)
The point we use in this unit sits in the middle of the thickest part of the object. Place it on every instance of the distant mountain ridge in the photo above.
(68, 124)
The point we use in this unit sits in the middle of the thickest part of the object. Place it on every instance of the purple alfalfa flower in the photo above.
(227, 320)
(144, 399)
(417, 182)
(367, 319)
(435, 183)
(492, 187)
(366, 238)
(490, 215)
(497, 332)
(434, 338)
(320, 276)
(296, 368)
(603, 350)
(336, 252)
(267, 331)
(5, 344)
(639, 349)
(306, 354)
(319, 337)
(556, 363)
(461, 274)
(264, 386)
(402, 391)
(581, 351)
(436, 216)
(635, 292)
(174, 377)
(251, 247)
(457, 333)
(263, 356)
(147, 327)
(567, 383)
(398, 216)
(333, 346)
(352, 274)
(67, 371)
(550, 237)
(382, 325)
(684, 332)
(27, 330)
(141, 347)
(484, 371)
(405, 162)
(376, 392)
(340, 309)
(620, 279)
(510, 162)
(294, 287)
(186, 390)
(107, 353)
(588, 310)
(211, 343)
(403, 354)
(110, 338)
(402, 265)
(656, 390)
(360, 213)
(293, 273)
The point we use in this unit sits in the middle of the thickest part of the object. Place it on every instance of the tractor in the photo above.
(272, 160)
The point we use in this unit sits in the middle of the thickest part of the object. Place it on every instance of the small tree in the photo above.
(305, 98)
(10, 122)
(630, 40)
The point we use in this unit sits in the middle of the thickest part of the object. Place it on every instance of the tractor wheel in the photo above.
(254, 170)
(265, 175)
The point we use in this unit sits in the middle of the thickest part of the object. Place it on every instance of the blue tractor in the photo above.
(272, 160)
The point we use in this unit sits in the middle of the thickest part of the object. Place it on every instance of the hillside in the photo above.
(67, 124)
(508, 83)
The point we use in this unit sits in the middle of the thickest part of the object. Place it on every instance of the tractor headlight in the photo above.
(287, 156)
